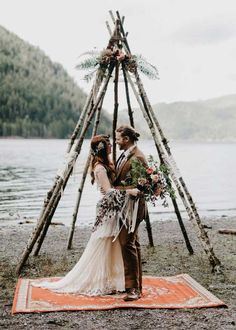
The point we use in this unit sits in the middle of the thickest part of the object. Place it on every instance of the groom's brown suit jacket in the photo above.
(122, 173)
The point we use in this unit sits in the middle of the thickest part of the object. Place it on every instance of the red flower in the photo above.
(120, 55)
(149, 170)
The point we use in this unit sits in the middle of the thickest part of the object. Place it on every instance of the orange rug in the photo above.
(179, 291)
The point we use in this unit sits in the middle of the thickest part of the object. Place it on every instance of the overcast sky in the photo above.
(192, 42)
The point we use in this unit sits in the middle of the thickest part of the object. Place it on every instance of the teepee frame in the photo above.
(92, 108)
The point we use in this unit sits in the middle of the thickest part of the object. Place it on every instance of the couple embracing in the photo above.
(111, 261)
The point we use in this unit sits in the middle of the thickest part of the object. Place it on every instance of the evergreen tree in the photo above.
(37, 97)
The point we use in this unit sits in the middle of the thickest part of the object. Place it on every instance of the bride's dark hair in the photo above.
(99, 152)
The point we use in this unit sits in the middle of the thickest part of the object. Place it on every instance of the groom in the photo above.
(126, 138)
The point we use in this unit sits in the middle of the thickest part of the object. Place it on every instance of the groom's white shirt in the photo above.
(124, 156)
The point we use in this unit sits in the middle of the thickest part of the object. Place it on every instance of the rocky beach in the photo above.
(168, 257)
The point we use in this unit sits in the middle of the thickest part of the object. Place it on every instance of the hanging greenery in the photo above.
(95, 60)
(89, 64)
(145, 67)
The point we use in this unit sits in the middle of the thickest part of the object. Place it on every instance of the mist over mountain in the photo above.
(206, 120)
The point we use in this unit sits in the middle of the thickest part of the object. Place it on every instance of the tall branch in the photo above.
(82, 182)
(214, 261)
(130, 111)
(115, 114)
(63, 178)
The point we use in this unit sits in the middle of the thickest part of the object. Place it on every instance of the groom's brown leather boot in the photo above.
(132, 294)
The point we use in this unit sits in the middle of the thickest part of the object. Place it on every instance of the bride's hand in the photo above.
(133, 192)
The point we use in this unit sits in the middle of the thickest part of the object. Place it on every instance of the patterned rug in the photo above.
(179, 291)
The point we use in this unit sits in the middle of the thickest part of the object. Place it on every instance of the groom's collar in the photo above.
(129, 151)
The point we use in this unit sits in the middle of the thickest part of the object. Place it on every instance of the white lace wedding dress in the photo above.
(100, 270)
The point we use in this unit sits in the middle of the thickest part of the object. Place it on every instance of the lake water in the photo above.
(28, 169)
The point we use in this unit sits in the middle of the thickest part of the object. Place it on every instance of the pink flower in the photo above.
(120, 56)
(155, 177)
(142, 181)
(149, 170)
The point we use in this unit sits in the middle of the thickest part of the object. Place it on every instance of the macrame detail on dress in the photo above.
(109, 207)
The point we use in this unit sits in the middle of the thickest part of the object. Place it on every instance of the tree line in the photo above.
(37, 97)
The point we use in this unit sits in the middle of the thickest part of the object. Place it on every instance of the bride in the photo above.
(100, 270)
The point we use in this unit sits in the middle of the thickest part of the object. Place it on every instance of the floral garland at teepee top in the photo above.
(102, 59)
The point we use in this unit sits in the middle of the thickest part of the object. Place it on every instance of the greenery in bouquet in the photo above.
(153, 181)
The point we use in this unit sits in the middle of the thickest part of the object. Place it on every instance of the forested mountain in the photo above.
(208, 120)
(37, 97)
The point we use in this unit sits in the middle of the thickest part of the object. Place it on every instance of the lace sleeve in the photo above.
(102, 178)
(113, 200)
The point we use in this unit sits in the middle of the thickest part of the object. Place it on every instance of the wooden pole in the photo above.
(116, 105)
(91, 99)
(85, 115)
(108, 27)
(93, 93)
(131, 119)
(50, 215)
(76, 209)
(87, 108)
(227, 231)
(149, 230)
(177, 212)
(42, 234)
(63, 178)
(81, 186)
(112, 16)
(178, 180)
(182, 227)
(214, 261)
(44, 230)
(88, 105)
(80, 121)
(147, 105)
(130, 111)
(122, 31)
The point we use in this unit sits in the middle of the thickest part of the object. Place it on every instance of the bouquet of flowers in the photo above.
(153, 181)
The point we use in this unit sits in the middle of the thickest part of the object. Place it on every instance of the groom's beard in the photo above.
(121, 147)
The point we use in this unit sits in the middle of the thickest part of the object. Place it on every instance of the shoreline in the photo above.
(154, 217)
(168, 257)
(171, 140)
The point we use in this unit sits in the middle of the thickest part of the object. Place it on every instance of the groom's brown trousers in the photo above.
(132, 258)
(130, 246)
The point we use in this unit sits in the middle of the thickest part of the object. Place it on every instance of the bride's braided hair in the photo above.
(99, 152)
